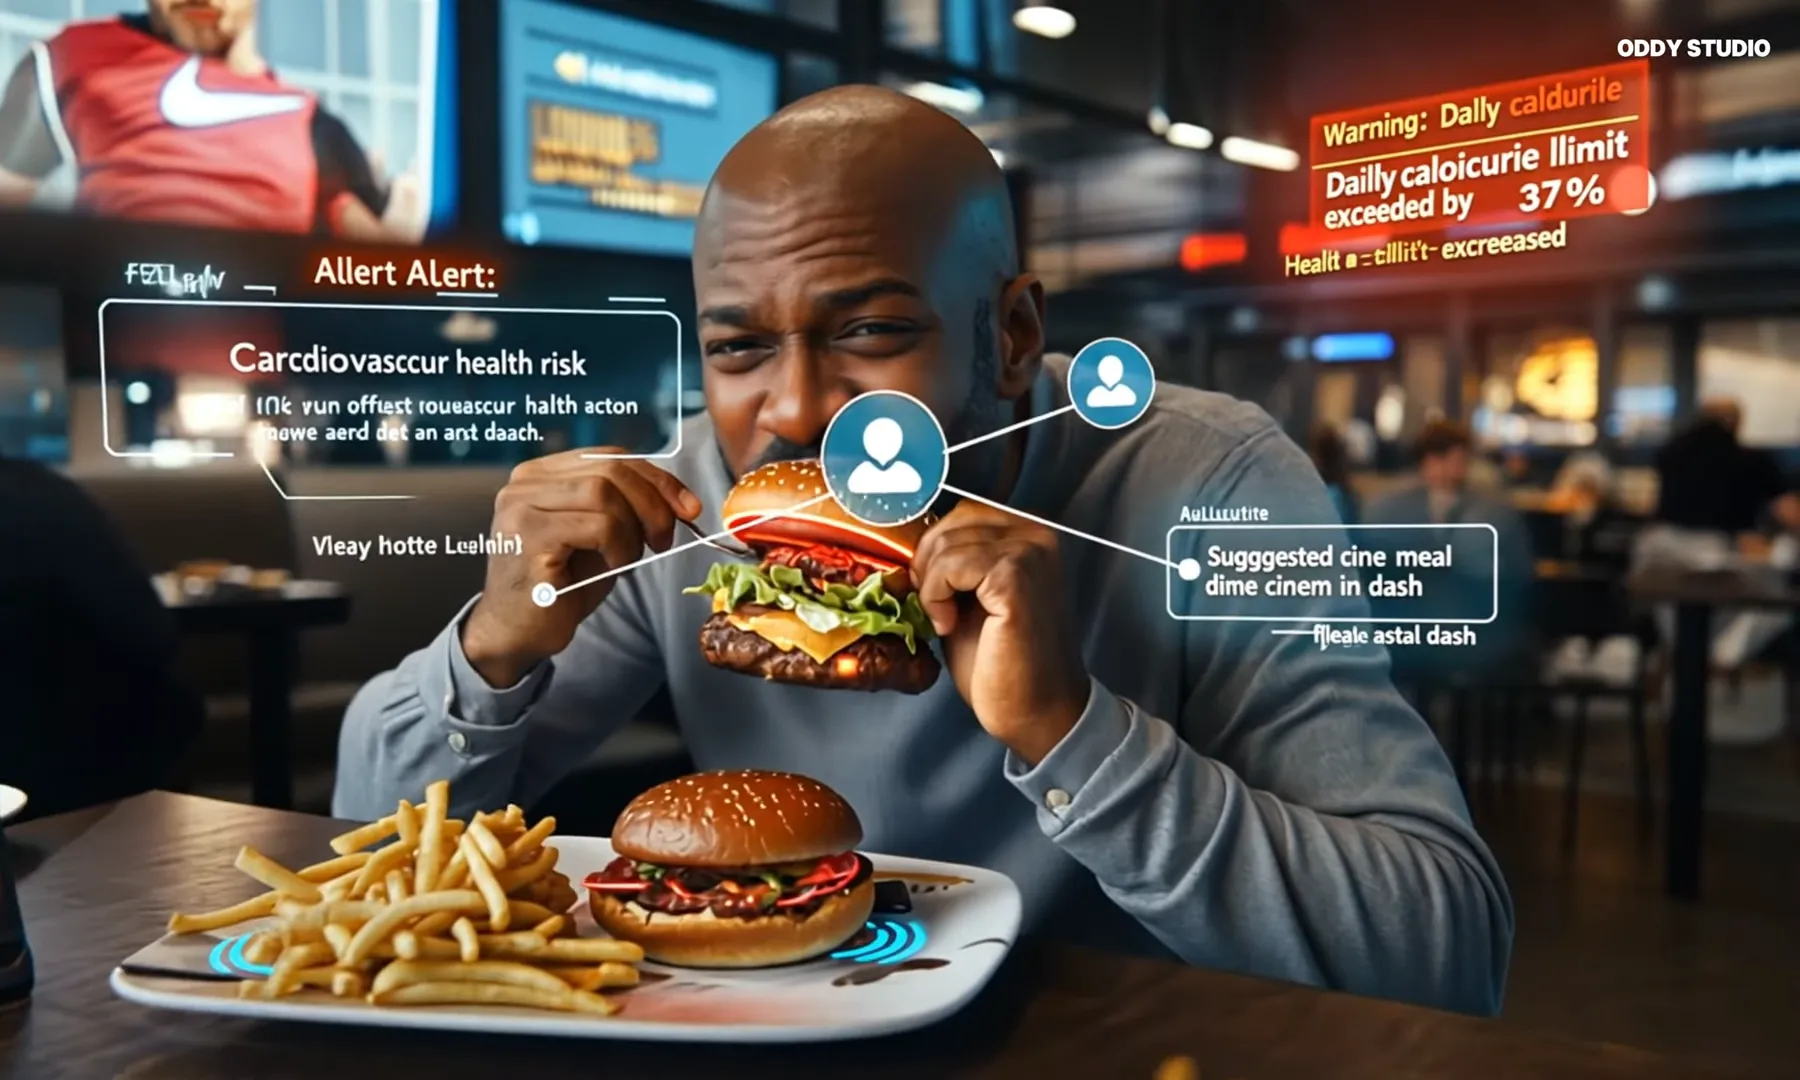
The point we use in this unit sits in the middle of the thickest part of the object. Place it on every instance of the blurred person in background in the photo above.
(1716, 493)
(94, 709)
(1723, 505)
(1331, 456)
(1445, 495)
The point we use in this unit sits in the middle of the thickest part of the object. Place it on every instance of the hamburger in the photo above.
(831, 603)
(735, 870)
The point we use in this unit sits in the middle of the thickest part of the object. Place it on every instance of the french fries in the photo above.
(439, 912)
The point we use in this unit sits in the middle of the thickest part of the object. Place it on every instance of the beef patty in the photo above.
(882, 661)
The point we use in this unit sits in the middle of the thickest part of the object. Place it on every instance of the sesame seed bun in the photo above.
(736, 819)
(708, 941)
(784, 483)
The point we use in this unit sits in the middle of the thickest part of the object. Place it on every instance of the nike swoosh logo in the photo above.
(187, 104)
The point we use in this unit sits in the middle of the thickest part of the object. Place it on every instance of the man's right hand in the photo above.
(576, 517)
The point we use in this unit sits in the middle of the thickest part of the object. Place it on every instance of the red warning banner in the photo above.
(1551, 147)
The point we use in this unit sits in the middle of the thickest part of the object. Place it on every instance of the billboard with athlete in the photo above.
(184, 111)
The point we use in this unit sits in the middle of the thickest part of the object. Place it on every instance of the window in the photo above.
(1755, 362)
(1643, 406)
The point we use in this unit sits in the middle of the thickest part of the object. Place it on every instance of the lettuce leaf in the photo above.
(868, 607)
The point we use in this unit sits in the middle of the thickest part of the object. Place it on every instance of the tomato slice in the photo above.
(597, 882)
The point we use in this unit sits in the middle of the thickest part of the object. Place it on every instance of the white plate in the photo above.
(12, 800)
(917, 969)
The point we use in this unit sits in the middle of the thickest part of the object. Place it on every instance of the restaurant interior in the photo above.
(1642, 799)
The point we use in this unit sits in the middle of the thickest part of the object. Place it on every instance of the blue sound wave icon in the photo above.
(227, 958)
(893, 942)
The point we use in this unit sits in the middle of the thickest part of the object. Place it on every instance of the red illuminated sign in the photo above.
(1202, 250)
(1552, 147)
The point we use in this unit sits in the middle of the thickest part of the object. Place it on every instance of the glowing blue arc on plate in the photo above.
(227, 958)
(894, 941)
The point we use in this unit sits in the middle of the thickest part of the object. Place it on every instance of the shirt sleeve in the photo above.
(434, 718)
(1297, 820)
(344, 170)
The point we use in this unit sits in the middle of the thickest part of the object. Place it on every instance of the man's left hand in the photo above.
(991, 583)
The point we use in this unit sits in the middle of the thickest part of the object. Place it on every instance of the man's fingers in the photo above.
(680, 498)
(940, 539)
(650, 505)
(677, 494)
(556, 535)
(955, 568)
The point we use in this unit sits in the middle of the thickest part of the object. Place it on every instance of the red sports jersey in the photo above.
(161, 134)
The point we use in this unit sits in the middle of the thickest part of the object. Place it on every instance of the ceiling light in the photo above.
(1262, 155)
(948, 98)
(1158, 120)
(1044, 20)
(1188, 136)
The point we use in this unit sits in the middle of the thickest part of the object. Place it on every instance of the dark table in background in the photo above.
(270, 623)
(1695, 595)
(98, 885)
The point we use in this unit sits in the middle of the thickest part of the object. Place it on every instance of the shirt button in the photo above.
(458, 741)
(1057, 800)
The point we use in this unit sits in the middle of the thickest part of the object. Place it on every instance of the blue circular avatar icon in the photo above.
(883, 457)
(1111, 383)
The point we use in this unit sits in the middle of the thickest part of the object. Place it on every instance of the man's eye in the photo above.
(734, 347)
(871, 329)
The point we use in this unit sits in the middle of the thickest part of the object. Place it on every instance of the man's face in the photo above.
(1446, 471)
(207, 27)
(807, 300)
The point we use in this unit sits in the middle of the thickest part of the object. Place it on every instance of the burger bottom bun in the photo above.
(705, 940)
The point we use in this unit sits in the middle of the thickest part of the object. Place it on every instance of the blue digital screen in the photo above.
(1339, 348)
(611, 127)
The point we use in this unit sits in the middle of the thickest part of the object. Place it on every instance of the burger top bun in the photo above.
(780, 485)
(731, 819)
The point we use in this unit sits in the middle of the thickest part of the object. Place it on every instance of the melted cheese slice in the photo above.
(786, 632)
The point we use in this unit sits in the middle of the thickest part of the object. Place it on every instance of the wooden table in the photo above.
(1695, 594)
(99, 884)
(270, 623)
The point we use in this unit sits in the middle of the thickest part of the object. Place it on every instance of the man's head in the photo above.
(207, 27)
(860, 240)
(1443, 453)
(1725, 412)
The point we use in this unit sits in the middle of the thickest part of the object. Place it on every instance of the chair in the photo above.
(1580, 609)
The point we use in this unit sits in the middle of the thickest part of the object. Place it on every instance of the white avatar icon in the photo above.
(1111, 393)
(882, 441)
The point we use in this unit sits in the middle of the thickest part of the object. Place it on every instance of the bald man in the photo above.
(1206, 790)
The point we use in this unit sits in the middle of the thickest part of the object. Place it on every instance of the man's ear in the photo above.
(1021, 319)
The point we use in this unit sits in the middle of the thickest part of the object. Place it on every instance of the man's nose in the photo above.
(800, 406)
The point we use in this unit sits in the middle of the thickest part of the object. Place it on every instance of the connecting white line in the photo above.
(270, 289)
(483, 295)
(1292, 633)
(655, 555)
(1047, 523)
(635, 300)
(543, 594)
(279, 490)
(1008, 429)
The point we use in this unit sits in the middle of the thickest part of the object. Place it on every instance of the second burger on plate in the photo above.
(735, 870)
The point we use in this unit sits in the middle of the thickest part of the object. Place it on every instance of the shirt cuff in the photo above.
(1057, 783)
(481, 719)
